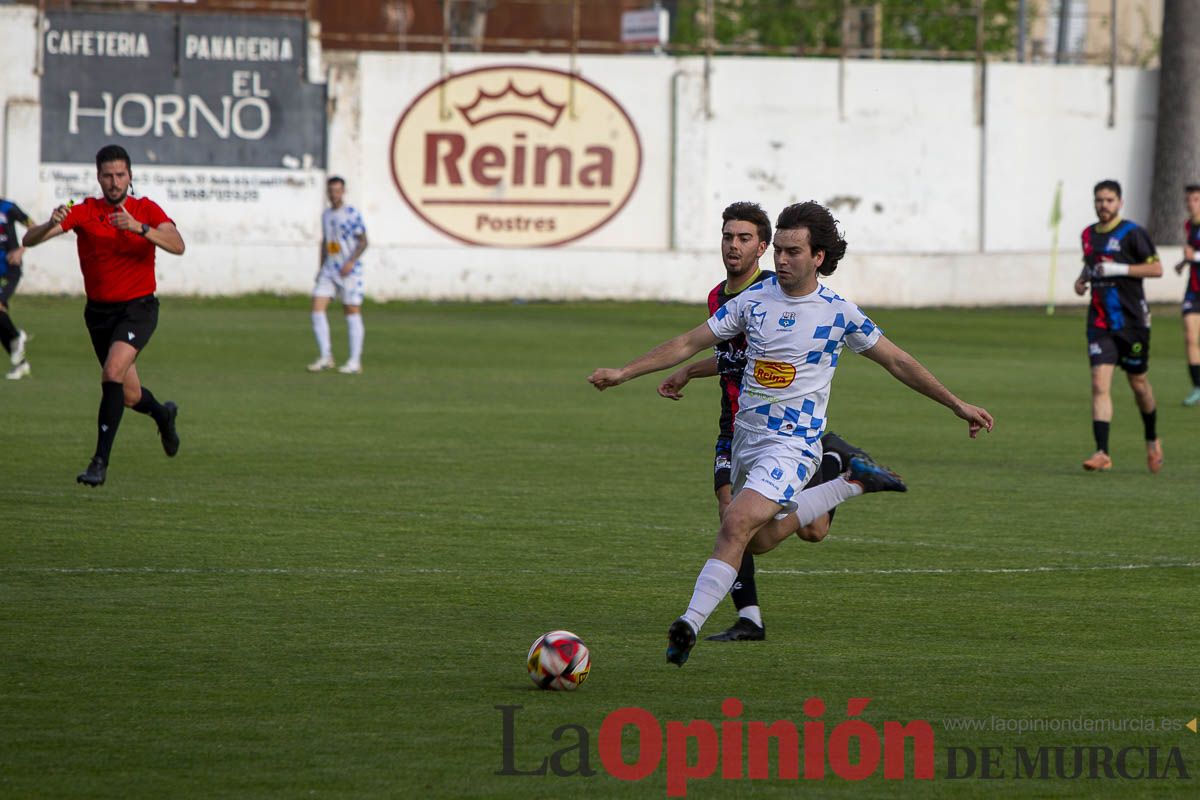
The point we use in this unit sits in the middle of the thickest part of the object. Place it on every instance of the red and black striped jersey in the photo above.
(731, 355)
(1193, 241)
(1117, 302)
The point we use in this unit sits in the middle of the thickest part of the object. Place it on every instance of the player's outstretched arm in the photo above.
(672, 387)
(913, 374)
(667, 354)
(47, 230)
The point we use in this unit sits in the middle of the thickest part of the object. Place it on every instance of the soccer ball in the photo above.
(558, 660)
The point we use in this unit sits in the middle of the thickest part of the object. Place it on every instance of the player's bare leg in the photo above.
(1191, 340)
(1101, 417)
(1143, 392)
(748, 512)
(749, 625)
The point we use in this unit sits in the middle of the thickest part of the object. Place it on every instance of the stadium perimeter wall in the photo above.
(945, 199)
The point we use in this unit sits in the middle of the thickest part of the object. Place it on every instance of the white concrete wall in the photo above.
(18, 93)
(937, 209)
(1047, 124)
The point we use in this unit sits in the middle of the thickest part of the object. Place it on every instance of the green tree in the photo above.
(931, 25)
(1176, 154)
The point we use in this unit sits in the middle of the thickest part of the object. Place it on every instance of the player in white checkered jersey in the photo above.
(343, 241)
(795, 329)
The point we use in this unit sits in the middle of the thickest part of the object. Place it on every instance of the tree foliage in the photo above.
(931, 25)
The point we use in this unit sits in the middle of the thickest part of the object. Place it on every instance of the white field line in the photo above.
(983, 570)
(377, 571)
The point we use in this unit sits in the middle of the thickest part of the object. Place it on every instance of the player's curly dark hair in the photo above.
(1191, 187)
(822, 231)
(113, 152)
(749, 212)
(1107, 183)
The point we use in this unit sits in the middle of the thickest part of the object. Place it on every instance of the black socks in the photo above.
(745, 592)
(8, 331)
(1150, 422)
(112, 405)
(150, 405)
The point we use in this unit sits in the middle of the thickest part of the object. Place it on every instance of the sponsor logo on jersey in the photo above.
(788, 319)
(516, 156)
(1114, 245)
(774, 374)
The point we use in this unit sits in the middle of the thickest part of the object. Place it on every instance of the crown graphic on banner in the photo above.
(512, 102)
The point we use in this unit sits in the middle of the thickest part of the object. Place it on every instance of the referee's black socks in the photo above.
(112, 405)
(150, 405)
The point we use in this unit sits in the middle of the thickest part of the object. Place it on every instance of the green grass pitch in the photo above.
(332, 587)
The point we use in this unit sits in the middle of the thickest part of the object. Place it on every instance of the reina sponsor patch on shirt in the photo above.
(774, 374)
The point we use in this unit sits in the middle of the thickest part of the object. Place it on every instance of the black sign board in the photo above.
(178, 89)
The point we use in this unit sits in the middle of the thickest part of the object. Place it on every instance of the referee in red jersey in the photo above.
(116, 238)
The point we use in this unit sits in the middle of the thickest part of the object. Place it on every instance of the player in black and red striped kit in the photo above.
(11, 338)
(1191, 294)
(1117, 255)
(745, 233)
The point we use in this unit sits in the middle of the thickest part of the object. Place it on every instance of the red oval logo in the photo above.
(516, 156)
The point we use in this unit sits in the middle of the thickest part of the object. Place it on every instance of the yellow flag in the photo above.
(1056, 209)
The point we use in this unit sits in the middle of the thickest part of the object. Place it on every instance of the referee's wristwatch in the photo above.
(145, 229)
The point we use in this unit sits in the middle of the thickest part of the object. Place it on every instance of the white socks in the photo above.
(752, 613)
(812, 503)
(320, 325)
(354, 324)
(713, 583)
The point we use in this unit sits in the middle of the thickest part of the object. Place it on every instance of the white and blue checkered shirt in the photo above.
(792, 348)
(342, 228)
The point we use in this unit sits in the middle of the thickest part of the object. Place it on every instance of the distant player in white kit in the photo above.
(343, 240)
(795, 330)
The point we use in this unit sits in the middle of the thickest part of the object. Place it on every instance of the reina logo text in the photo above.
(516, 156)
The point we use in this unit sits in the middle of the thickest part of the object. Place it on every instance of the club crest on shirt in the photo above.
(788, 319)
(1113, 246)
(774, 374)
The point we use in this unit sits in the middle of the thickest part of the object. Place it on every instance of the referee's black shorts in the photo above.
(132, 322)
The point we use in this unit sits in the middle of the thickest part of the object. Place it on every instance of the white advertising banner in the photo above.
(512, 155)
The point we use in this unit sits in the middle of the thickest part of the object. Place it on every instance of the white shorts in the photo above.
(348, 289)
(777, 467)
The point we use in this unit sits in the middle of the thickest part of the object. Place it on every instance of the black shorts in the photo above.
(723, 464)
(1128, 348)
(1191, 302)
(8, 284)
(132, 322)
